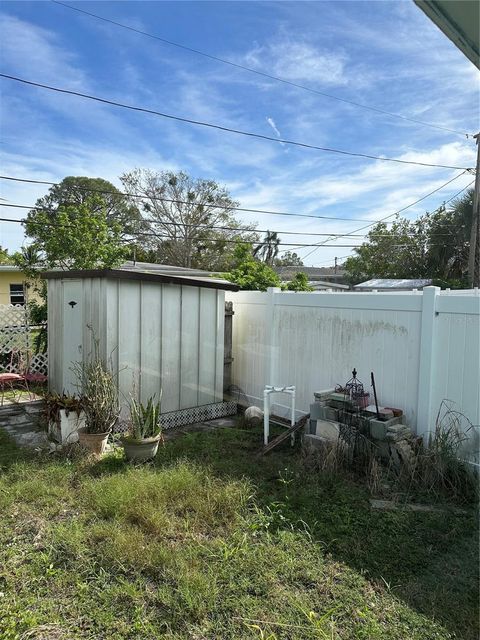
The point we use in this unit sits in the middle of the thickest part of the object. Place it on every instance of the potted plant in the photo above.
(145, 433)
(100, 404)
(63, 415)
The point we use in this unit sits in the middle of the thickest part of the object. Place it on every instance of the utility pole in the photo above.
(336, 265)
(473, 258)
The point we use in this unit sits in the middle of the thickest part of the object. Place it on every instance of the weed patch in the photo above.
(213, 542)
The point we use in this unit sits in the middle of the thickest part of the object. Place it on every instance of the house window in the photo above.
(17, 294)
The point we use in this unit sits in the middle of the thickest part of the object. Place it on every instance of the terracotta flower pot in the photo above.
(95, 442)
(140, 450)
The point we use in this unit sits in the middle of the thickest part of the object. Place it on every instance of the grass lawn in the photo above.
(214, 542)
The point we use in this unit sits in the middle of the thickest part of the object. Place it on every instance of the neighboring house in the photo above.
(389, 284)
(318, 277)
(12, 285)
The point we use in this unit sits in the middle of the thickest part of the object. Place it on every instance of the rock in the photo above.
(253, 415)
(327, 429)
(396, 436)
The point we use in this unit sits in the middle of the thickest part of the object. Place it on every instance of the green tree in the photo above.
(249, 273)
(448, 240)
(395, 252)
(75, 236)
(298, 283)
(267, 251)
(4, 257)
(100, 195)
(289, 259)
(187, 219)
(435, 246)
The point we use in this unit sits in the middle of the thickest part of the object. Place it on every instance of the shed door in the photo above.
(72, 331)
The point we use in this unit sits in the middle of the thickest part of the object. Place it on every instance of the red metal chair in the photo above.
(10, 379)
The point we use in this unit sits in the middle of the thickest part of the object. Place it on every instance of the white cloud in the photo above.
(297, 60)
(37, 53)
(271, 122)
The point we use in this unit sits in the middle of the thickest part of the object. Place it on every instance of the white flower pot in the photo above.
(65, 429)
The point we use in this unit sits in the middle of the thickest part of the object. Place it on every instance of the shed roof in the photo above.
(313, 273)
(154, 273)
(392, 283)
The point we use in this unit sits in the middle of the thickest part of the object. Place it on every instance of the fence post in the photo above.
(426, 363)
(272, 335)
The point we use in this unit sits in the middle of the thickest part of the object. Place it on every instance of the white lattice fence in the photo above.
(14, 328)
(39, 363)
(16, 342)
(12, 315)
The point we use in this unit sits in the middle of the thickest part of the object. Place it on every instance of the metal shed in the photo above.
(154, 329)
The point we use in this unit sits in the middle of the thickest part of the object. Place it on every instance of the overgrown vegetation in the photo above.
(214, 542)
(438, 470)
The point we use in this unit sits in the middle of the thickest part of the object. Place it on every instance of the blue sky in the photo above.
(384, 54)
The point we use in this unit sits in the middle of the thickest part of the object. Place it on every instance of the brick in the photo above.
(323, 395)
(395, 428)
(316, 411)
(378, 429)
(331, 414)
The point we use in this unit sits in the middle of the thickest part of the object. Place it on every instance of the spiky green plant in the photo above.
(145, 419)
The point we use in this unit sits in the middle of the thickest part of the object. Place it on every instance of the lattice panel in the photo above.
(13, 340)
(16, 342)
(13, 328)
(190, 416)
(39, 363)
(13, 316)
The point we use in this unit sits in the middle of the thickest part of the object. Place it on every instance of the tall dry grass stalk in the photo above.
(439, 469)
(99, 393)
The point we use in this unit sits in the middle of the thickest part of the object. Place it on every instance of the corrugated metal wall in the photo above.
(153, 335)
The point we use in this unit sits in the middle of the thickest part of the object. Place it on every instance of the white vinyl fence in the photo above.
(423, 346)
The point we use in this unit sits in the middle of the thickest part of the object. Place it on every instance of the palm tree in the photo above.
(268, 250)
(449, 238)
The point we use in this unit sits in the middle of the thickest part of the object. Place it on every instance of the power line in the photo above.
(261, 73)
(146, 234)
(259, 211)
(143, 234)
(222, 128)
(200, 226)
(401, 210)
(160, 199)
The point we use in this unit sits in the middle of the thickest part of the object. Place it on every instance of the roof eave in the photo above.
(122, 274)
(456, 30)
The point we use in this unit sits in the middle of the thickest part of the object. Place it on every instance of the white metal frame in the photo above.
(267, 392)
